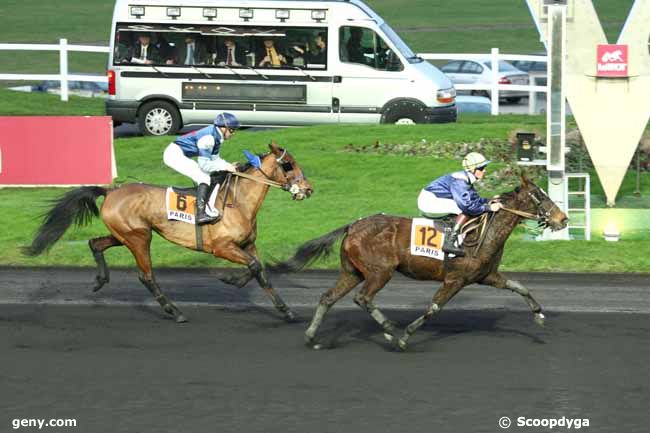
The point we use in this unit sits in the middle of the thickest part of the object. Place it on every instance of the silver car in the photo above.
(480, 72)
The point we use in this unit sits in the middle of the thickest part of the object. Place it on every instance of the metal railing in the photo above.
(63, 76)
(494, 87)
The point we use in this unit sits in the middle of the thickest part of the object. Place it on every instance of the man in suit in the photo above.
(165, 49)
(318, 55)
(144, 52)
(191, 52)
(231, 54)
(269, 56)
(122, 53)
(355, 52)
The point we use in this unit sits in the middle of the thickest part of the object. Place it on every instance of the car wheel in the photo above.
(405, 113)
(159, 118)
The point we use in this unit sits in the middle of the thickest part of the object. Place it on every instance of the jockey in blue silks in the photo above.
(455, 194)
(205, 144)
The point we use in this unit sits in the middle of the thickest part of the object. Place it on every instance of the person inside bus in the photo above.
(122, 48)
(354, 51)
(205, 144)
(319, 54)
(270, 55)
(191, 52)
(165, 49)
(231, 53)
(144, 52)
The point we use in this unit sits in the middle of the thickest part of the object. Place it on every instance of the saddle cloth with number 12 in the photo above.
(427, 237)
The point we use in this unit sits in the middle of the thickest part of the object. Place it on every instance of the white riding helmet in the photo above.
(474, 160)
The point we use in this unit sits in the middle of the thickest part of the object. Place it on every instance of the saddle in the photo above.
(217, 177)
(476, 224)
(447, 222)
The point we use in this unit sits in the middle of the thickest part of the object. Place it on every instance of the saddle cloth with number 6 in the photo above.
(181, 206)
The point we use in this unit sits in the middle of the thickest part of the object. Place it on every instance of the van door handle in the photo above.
(337, 79)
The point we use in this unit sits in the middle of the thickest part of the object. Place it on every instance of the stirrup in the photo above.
(207, 219)
(457, 251)
(450, 247)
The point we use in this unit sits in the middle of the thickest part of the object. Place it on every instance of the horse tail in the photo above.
(76, 206)
(309, 252)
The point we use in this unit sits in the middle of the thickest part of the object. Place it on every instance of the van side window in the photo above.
(218, 46)
(363, 46)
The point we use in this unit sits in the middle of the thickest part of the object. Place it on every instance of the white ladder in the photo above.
(576, 210)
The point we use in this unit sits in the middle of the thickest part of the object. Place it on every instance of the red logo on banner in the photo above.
(612, 61)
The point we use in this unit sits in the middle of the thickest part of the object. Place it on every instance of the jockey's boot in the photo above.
(451, 245)
(201, 199)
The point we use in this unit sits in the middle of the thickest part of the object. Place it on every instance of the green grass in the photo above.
(14, 103)
(449, 26)
(347, 186)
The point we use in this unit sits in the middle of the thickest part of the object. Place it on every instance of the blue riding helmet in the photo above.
(227, 120)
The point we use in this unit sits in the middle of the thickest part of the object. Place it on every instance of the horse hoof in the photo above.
(540, 319)
(402, 344)
(238, 282)
(289, 316)
(311, 343)
(181, 319)
(390, 338)
(99, 283)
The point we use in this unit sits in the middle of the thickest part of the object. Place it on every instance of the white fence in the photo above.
(63, 48)
(494, 88)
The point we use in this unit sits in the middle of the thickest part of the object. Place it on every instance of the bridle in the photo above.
(286, 166)
(544, 208)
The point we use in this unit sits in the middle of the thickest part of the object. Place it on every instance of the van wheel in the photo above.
(405, 113)
(159, 118)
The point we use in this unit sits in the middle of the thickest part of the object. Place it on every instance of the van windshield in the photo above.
(219, 46)
(400, 44)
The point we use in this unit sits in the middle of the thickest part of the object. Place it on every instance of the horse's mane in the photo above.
(511, 194)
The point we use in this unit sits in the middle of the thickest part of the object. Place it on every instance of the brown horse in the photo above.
(131, 212)
(377, 246)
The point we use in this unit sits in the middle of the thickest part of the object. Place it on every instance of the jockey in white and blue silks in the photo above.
(455, 194)
(205, 144)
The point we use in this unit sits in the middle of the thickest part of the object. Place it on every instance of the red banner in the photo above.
(56, 151)
(611, 61)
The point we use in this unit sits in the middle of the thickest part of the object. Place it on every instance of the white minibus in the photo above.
(269, 62)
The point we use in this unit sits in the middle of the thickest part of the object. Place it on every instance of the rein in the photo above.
(259, 180)
(268, 181)
(522, 213)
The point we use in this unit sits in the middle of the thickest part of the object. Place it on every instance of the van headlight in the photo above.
(446, 96)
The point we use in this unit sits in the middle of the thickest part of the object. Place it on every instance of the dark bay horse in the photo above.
(133, 211)
(375, 247)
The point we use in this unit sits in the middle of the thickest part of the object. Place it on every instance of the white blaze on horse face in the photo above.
(611, 113)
